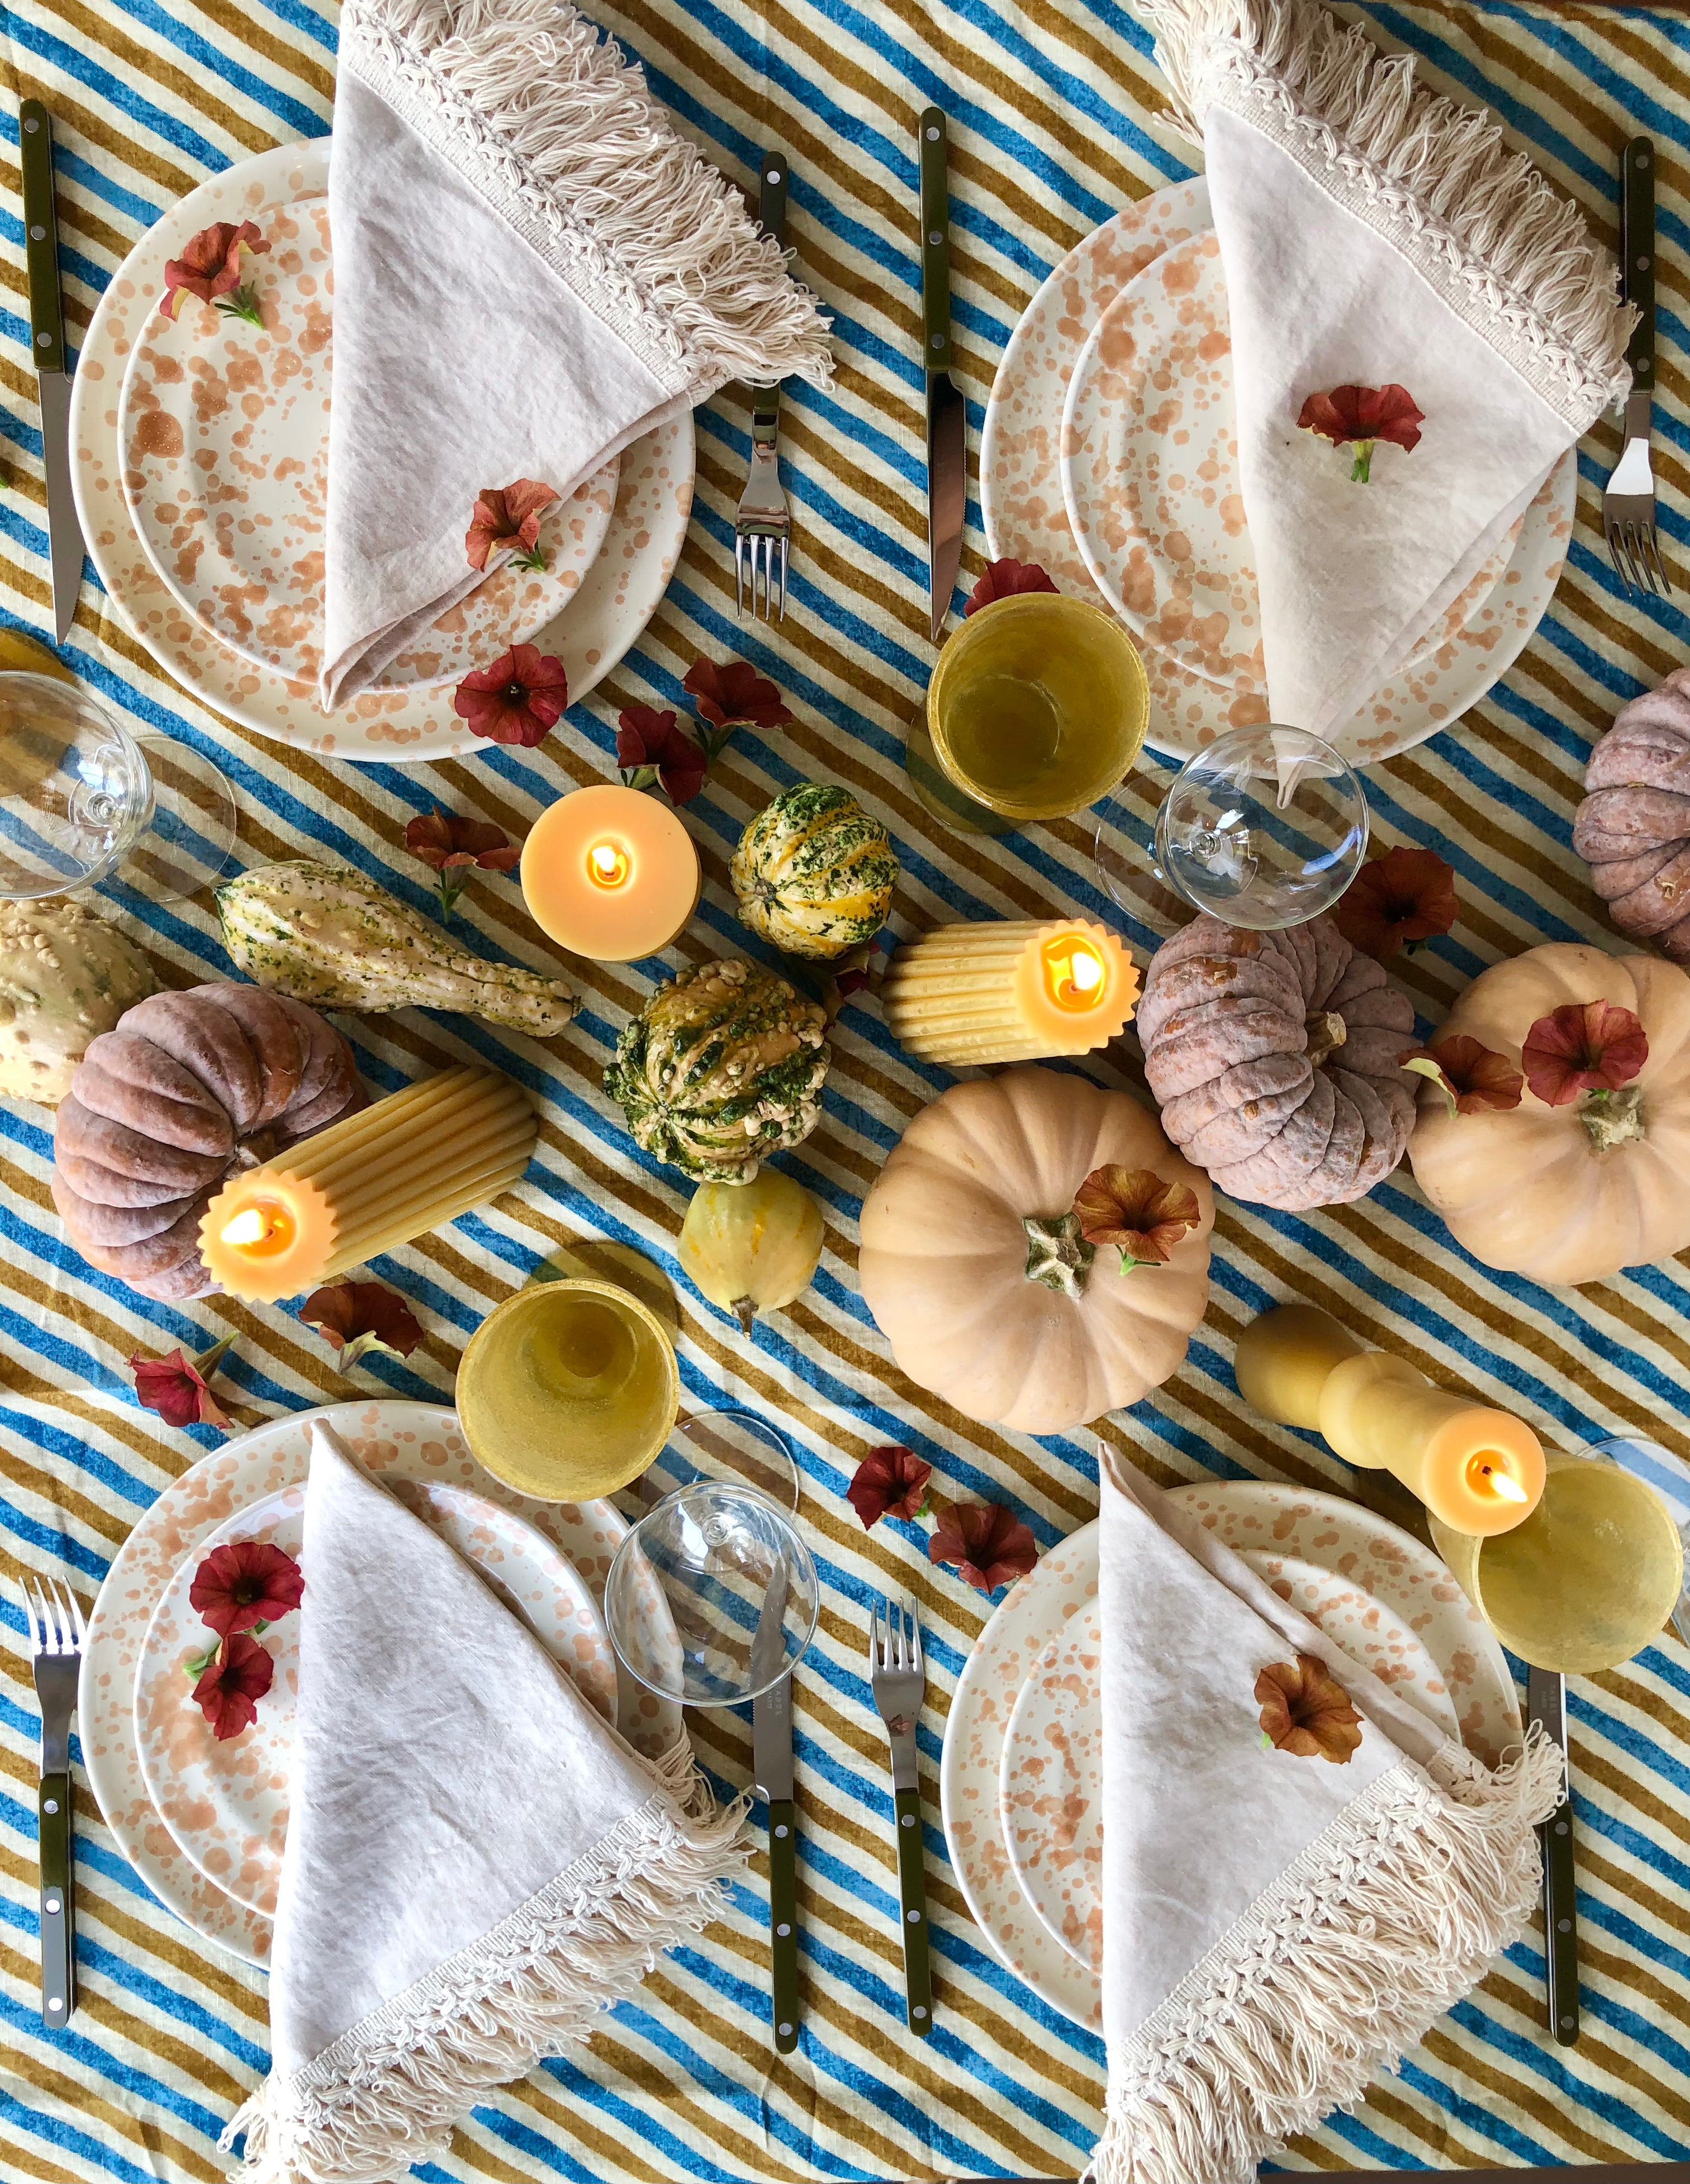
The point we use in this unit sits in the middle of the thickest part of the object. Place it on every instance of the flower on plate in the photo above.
(1474, 1079)
(726, 697)
(519, 699)
(1401, 899)
(1359, 416)
(1307, 1712)
(228, 1692)
(509, 516)
(209, 267)
(653, 747)
(1134, 1209)
(356, 1317)
(987, 1544)
(244, 1584)
(454, 847)
(1583, 1046)
(176, 1387)
(1003, 579)
(889, 1482)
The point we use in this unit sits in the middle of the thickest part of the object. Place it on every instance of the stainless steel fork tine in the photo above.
(783, 579)
(1620, 550)
(70, 1616)
(63, 1640)
(29, 1613)
(918, 1660)
(768, 572)
(1657, 561)
(1640, 535)
(738, 576)
(1634, 575)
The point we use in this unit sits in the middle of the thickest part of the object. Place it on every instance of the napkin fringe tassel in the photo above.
(1434, 177)
(388, 2093)
(528, 93)
(1383, 1924)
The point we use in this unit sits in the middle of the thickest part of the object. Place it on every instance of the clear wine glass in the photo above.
(82, 800)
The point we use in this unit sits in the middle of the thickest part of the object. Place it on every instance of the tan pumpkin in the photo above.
(976, 1292)
(1571, 1194)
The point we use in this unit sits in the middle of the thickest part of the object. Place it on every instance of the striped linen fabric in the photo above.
(1057, 119)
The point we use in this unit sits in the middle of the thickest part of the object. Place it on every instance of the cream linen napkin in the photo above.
(532, 268)
(1276, 1926)
(1372, 232)
(475, 1865)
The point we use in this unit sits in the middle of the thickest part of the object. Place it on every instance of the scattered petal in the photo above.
(508, 518)
(1583, 1046)
(519, 699)
(987, 1544)
(889, 1482)
(454, 846)
(209, 267)
(356, 1317)
(1002, 579)
(1133, 1208)
(1474, 1080)
(1358, 416)
(229, 1691)
(175, 1386)
(653, 746)
(1307, 1712)
(245, 1582)
(727, 696)
(1407, 896)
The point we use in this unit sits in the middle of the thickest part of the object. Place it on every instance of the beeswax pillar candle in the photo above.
(1009, 991)
(610, 873)
(408, 1164)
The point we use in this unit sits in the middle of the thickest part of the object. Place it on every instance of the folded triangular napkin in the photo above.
(1278, 1922)
(1374, 234)
(533, 267)
(475, 1865)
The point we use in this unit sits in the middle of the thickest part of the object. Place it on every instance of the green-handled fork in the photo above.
(898, 1675)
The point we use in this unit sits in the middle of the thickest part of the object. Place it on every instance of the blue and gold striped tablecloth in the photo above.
(1056, 116)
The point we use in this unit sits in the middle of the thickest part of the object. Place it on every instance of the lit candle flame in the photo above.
(608, 865)
(248, 1227)
(1493, 1479)
(1075, 972)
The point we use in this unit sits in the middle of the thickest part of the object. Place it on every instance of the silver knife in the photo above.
(947, 473)
(772, 1761)
(52, 360)
(1546, 1701)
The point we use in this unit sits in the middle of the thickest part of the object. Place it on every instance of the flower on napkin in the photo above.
(509, 516)
(1358, 416)
(519, 699)
(1003, 579)
(653, 747)
(1402, 898)
(1307, 1712)
(889, 1482)
(245, 1585)
(1134, 1209)
(454, 847)
(176, 1387)
(726, 698)
(1583, 1046)
(356, 1317)
(228, 1692)
(209, 267)
(987, 1544)
(1474, 1080)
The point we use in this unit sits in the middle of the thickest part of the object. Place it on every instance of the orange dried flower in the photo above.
(1307, 1712)
(1134, 1209)
(1474, 1080)
(1405, 896)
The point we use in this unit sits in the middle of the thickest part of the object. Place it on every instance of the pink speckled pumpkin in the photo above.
(1633, 827)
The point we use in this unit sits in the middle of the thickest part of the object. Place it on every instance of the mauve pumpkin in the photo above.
(1275, 1058)
(1633, 827)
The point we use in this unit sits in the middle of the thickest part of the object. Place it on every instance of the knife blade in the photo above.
(46, 342)
(947, 471)
(1546, 1699)
(772, 1764)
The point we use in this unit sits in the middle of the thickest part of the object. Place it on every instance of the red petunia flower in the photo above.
(356, 1317)
(1405, 896)
(653, 746)
(211, 269)
(1358, 416)
(509, 516)
(1003, 579)
(987, 1544)
(243, 1583)
(456, 847)
(229, 1691)
(889, 1482)
(1474, 1080)
(725, 697)
(1583, 1046)
(519, 699)
(175, 1386)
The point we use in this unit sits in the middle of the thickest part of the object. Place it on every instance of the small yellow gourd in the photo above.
(751, 1247)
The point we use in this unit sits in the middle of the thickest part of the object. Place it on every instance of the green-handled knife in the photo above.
(51, 359)
(772, 1763)
(947, 476)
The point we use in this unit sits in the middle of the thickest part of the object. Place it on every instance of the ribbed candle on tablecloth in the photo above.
(1011, 990)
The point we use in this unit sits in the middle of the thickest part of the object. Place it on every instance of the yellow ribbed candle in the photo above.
(408, 1164)
(1013, 990)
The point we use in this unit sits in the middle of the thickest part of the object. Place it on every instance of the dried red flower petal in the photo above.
(1407, 896)
(889, 1482)
(1134, 1209)
(653, 746)
(209, 267)
(519, 699)
(508, 516)
(1003, 579)
(1307, 1712)
(454, 847)
(987, 1544)
(1583, 1046)
(1474, 1080)
(358, 1316)
(243, 1582)
(1358, 416)
(229, 1691)
(175, 1386)
(728, 695)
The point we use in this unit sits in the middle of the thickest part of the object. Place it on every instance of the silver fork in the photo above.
(898, 1676)
(762, 524)
(57, 1636)
(1628, 509)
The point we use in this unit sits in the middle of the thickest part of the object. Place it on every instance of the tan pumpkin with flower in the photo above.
(1590, 1171)
(975, 1267)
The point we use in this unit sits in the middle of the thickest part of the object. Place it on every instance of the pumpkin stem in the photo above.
(747, 1311)
(1326, 1032)
(1057, 1255)
(1614, 1118)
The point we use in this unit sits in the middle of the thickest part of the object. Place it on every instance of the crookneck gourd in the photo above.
(1274, 1059)
(1633, 827)
(814, 873)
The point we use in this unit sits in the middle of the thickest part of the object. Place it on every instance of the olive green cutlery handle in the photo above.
(1637, 255)
(58, 1901)
(935, 241)
(40, 236)
(912, 1899)
(772, 178)
(783, 1924)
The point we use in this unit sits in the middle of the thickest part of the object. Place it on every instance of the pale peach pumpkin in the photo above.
(973, 1268)
(1571, 1194)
